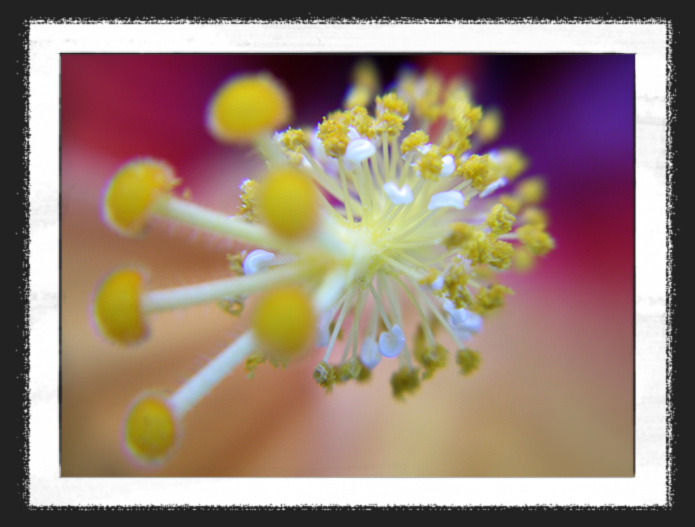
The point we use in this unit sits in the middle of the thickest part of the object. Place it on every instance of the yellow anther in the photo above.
(362, 121)
(348, 370)
(456, 142)
(430, 164)
(500, 220)
(232, 306)
(431, 358)
(501, 255)
(151, 429)
(413, 141)
(364, 375)
(460, 234)
(333, 133)
(535, 239)
(247, 107)
(284, 321)
(324, 375)
(512, 203)
(479, 248)
(535, 216)
(293, 139)
(365, 79)
(392, 103)
(468, 360)
(405, 380)
(531, 191)
(248, 208)
(132, 193)
(478, 170)
(490, 298)
(463, 115)
(117, 308)
(523, 260)
(288, 203)
(455, 281)
(490, 126)
(430, 277)
(253, 361)
(357, 96)
(236, 262)
(389, 123)
(512, 163)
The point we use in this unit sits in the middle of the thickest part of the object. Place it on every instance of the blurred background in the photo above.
(554, 395)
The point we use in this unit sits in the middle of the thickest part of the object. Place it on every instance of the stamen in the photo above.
(215, 222)
(175, 298)
(256, 261)
(198, 386)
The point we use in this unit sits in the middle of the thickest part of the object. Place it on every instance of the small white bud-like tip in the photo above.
(358, 150)
(450, 198)
(256, 261)
(448, 166)
(437, 283)
(493, 186)
(398, 196)
(463, 320)
(391, 343)
(369, 353)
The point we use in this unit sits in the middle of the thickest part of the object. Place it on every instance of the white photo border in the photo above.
(650, 41)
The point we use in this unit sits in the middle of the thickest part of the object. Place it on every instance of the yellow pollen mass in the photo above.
(248, 106)
(501, 255)
(284, 321)
(468, 360)
(460, 233)
(490, 126)
(362, 121)
(430, 164)
(477, 169)
(535, 239)
(288, 203)
(512, 163)
(500, 220)
(405, 380)
(117, 308)
(531, 191)
(132, 192)
(490, 298)
(390, 123)
(150, 429)
(392, 103)
(333, 133)
(414, 140)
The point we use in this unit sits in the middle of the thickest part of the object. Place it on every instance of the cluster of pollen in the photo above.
(356, 226)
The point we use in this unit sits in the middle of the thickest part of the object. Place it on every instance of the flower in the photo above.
(349, 218)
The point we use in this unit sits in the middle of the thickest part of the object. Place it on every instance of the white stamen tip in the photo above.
(369, 353)
(424, 148)
(462, 321)
(353, 133)
(450, 198)
(448, 167)
(493, 186)
(398, 196)
(256, 261)
(359, 150)
(437, 284)
(391, 342)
